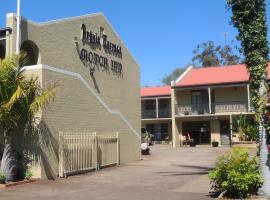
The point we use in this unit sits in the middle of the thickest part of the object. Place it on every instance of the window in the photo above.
(30, 49)
(163, 103)
(199, 102)
(150, 105)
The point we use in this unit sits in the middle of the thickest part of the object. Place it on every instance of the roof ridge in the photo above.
(219, 66)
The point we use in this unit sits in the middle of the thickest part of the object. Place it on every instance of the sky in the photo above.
(160, 34)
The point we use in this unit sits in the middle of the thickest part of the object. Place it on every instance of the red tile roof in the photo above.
(216, 76)
(155, 91)
(205, 76)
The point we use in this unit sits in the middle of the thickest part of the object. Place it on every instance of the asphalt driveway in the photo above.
(166, 174)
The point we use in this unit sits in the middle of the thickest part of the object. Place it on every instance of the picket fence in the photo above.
(83, 152)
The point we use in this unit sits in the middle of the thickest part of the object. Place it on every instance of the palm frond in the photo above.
(14, 98)
(42, 99)
(23, 59)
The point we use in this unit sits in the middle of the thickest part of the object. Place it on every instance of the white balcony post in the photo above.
(175, 134)
(231, 130)
(248, 98)
(209, 100)
(156, 107)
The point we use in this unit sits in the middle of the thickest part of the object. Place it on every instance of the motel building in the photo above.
(201, 102)
(94, 120)
(156, 113)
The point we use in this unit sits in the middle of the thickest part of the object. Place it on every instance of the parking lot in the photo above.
(165, 174)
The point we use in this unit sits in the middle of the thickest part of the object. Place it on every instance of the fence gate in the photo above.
(83, 152)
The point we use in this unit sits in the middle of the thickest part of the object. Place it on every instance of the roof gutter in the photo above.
(234, 84)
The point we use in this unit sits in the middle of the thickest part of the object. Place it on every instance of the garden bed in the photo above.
(10, 184)
(245, 144)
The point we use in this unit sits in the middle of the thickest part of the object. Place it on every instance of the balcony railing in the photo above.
(148, 114)
(151, 114)
(219, 107)
(164, 113)
(188, 109)
(235, 106)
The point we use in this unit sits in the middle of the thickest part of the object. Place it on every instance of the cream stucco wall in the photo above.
(183, 97)
(230, 94)
(215, 131)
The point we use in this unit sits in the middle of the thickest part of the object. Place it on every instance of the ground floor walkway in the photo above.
(166, 174)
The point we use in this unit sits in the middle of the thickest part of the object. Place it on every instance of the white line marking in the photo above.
(73, 74)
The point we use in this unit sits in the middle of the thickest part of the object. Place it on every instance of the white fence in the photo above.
(83, 152)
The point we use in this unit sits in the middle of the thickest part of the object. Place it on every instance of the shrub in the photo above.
(236, 174)
(2, 178)
(246, 127)
(28, 174)
(252, 132)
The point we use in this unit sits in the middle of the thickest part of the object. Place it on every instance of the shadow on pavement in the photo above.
(200, 170)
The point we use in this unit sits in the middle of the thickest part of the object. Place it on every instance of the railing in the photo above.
(188, 109)
(164, 113)
(235, 106)
(148, 114)
(108, 149)
(219, 107)
(83, 152)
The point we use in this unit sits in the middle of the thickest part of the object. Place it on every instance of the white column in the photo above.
(156, 107)
(248, 98)
(175, 134)
(231, 130)
(209, 100)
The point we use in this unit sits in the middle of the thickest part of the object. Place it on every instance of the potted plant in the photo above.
(147, 137)
(200, 112)
(214, 143)
(2, 178)
(145, 150)
(186, 113)
(192, 143)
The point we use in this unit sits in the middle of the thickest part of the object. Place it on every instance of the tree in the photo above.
(173, 76)
(227, 57)
(20, 99)
(249, 17)
(208, 54)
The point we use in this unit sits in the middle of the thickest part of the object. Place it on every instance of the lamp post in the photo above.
(18, 26)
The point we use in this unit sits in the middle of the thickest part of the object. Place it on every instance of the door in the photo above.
(225, 132)
(199, 102)
(198, 131)
(164, 131)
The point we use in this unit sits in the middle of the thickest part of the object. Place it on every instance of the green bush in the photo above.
(2, 178)
(246, 127)
(237, 174)
(28, 174)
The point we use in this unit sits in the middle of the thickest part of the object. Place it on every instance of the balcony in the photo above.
(164, 113)
(219, 107)
(235, 106)
(149, 114)
(152, 114)
(188, 109)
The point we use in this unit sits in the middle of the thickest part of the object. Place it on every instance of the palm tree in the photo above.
(20, 99)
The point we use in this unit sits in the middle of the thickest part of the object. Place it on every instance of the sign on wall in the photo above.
(92, 59)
